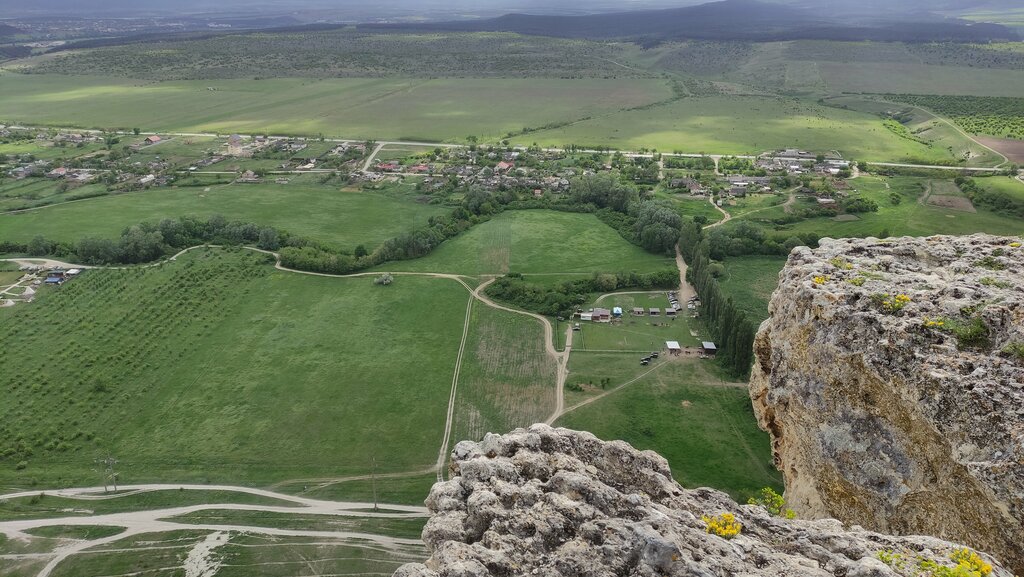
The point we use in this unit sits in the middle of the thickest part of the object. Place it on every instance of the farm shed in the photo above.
(708, 348)
(638, 311)
(616, 312)
(586, 316)
(654, 311)
(153, 139)
(670, 312)
(602, 315)
(673, 347)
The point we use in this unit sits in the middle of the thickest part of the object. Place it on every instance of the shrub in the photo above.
(970, 334)
(772, 502)
(1015, 349)
(724, 525)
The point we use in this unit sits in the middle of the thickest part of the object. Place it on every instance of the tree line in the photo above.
(728, 325)
(565, 297)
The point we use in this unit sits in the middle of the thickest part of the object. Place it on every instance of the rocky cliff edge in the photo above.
(559, 503)
(890, 376)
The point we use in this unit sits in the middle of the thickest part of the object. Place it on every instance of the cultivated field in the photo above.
(507, 378)
(361, 108)
(743, 125)
(158, 365)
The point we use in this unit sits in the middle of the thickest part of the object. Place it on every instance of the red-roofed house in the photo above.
(504, 166)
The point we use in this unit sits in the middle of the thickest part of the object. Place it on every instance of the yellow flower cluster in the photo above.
(724, 525)
(936, 323)
(820, 279)
(895, 304)
(1014, 245)
(972, 562)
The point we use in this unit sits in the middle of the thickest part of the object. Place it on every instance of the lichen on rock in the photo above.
(894, 388)
(559, 503)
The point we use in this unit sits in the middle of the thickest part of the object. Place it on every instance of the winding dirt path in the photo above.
(726, 216)
(159, 520)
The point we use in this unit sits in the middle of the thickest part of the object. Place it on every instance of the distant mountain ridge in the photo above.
(728, 19)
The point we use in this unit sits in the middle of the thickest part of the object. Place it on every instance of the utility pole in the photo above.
(373, 478)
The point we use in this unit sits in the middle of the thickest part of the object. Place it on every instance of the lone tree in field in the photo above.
(384, 279)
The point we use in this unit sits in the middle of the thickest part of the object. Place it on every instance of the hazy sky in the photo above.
(360, 9)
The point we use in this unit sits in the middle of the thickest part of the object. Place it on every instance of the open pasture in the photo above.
(536, 241)
(361, 108)
(322, 213)
(218, 367)
(703, 426)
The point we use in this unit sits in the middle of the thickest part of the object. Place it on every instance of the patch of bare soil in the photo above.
(1011, 149)
(952, 202)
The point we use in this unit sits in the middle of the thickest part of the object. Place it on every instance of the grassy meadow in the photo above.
(318, 212)
(538, 242)
(750, 281)
(218, 367)
(703, 426)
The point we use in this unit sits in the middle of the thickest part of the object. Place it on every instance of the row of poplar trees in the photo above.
(729, 326)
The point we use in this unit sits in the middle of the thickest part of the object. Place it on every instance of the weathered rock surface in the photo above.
(554, 502)
(906, 421)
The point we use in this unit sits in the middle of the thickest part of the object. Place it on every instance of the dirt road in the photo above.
(158, 520)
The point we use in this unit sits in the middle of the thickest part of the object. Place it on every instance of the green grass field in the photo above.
(218, 367)
(362, 108)
(318, 212)
(704, 429)
(925, 126)
(909, 217)
(742, 125)
(750, 281)
(536, 241)
(507, 380)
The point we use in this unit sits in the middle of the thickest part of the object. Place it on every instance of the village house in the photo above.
(235, 146)
(59, 172)
(503, 167)
(152, 139)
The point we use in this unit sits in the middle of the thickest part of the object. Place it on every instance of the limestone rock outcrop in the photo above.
(559, 503)
(890, 376)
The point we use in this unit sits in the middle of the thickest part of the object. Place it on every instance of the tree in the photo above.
(39, 246)
(361, 251)
(604, 191)
(136, 131)
(268, 239)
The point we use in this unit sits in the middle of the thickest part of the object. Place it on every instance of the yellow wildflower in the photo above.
(724, 525)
